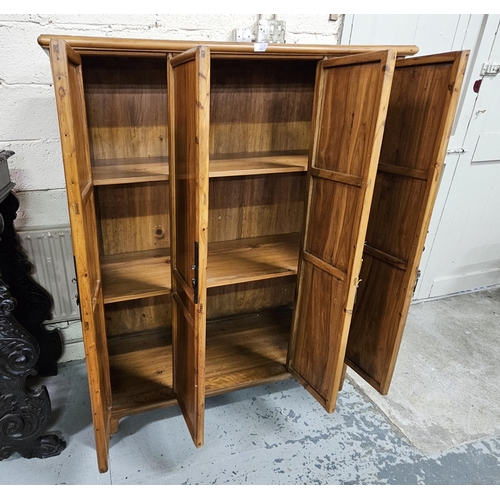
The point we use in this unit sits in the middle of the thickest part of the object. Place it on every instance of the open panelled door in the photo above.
(423, 102)
(67, 74)
(352, 94)
(189, 108)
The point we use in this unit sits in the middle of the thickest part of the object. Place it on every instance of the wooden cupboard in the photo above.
(241, 217)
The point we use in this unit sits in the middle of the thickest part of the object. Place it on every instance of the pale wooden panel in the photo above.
(246, 351)
(259, 106)
(68, 86)
(352, 94)
(150, 313)
(146, 274)
(254, 206)
(417, 130)
(133, 217)
(141, 372)
(252, 259)
(135, 275)
(241, 352)
(107, 172)
(258, 165)
(126, 102)
(135, 46)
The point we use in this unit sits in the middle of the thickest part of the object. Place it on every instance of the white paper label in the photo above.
(260, 47)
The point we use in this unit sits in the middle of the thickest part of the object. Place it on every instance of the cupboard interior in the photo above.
(260, 121)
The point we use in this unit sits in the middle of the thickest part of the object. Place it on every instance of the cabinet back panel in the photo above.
(126, 100)
(133, 217)
(260, 107)
(253, 206)
(255, 296)
(152, 313)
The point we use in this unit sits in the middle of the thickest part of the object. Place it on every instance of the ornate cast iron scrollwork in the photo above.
(24, 412)
(33, 302)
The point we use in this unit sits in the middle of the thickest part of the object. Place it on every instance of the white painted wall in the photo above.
(462, 249)
(28, 119)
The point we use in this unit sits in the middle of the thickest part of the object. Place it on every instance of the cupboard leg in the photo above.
(342, 378)
(114, 425)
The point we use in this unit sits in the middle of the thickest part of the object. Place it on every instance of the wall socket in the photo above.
(243, 35)
(271, 31)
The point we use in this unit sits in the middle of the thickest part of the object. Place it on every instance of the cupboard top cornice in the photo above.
(135, 46)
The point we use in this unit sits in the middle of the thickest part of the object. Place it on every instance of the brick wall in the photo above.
(28, 120)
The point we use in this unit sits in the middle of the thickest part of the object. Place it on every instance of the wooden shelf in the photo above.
(135, 275)
(241, 352)
(136, 170)
(252, 259)
(147, 274)
(258, 165)
(129, 171)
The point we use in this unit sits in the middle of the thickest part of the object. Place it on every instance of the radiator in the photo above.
(51, 254)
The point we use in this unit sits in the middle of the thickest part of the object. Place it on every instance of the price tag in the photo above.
(260, 47)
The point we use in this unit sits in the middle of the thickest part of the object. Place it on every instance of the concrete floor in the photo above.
(440, 423)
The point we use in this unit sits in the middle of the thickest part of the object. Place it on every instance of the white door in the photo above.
(463, 245)
(462, 249)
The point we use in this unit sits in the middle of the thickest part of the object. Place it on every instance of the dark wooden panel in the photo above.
(189, 102)
(421, 111)
(316, 355)
(395, 214)
(415, 118)
(254, 296)
(372, 332)
(330, 236)
(345, 138)
(351, 103)
(151, 313)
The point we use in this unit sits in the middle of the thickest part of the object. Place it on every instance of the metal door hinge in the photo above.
(416, 280)
(490, 69)
(77, 296)
(195, 267)
(458, 151)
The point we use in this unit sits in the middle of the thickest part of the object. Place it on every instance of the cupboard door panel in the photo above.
(67, 74)
(352, 94)
(189, 106)
(422, 106)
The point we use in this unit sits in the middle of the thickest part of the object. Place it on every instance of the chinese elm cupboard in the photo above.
(241, 217)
